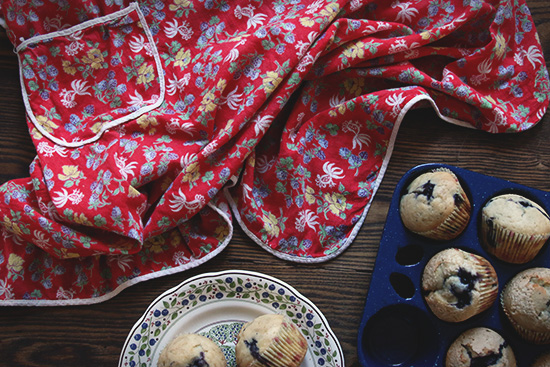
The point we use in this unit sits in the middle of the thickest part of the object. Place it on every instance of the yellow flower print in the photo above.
(222, 83)
(191, 172)
(355, 50)
(310, 195)
(155, 244)
(426, 35)
(68, 67)
(132, 192)
(94, 57)
(145, 121)
(330, 10)
(183, 58)
(146, 74)
(337, 203)
(69, 173)
(97, 127)
(15, 263)
(307, 22)
(46, 123)
(81, 219)
(271, 81)
(355, 85)
(208, 103)
(11, 226)
(221, 232)
(500, 46)
(179, 4)
(271, 224)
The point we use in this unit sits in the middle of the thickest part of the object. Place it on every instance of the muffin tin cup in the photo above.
(397, 327)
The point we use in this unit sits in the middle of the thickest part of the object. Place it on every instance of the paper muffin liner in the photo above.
(488, 284)
(510, 246)
(531, 336)
(288, 348)
(455, 223)
(487, 288)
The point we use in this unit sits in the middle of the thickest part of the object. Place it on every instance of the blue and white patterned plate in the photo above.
(216, 305)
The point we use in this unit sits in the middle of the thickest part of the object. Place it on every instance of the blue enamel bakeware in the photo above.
(397, 328)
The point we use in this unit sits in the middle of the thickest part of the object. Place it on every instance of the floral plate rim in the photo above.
(234, 288)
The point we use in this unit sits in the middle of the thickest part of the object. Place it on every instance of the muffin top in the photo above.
(526, 299)
(480, 347)
(517, 214)
(430, 199)
(454, 283)
(270, 340)
(191, 350)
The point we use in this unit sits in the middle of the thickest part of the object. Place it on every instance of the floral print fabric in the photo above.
(156, 122)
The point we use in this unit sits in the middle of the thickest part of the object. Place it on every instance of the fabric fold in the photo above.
(155, 121)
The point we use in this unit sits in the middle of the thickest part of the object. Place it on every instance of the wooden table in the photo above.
(93, 335)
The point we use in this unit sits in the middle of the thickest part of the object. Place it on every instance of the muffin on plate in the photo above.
(270, 340)
(525, 300)
(514, 228)
(480, 347)
(458, 285)
(191, 350)
(435, 205)
(542, 361)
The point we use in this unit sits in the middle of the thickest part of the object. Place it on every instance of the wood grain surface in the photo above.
(94, 335)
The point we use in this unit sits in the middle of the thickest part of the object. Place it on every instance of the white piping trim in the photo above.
(133, 281)
(90, 23)
(376, 185)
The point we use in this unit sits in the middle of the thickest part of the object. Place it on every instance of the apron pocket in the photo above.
(79, 82)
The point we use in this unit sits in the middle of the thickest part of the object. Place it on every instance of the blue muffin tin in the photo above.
(397, 327)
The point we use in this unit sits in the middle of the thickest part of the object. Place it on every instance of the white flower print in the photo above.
(63, 197)
(177, 85)
(395, 101)
(184, 30)
(331, 173)
(6, 289)
(232, 55)
(406, 14)
(533, 55)
(48, 151)
(40, 239)
(306, 218)
(122, 261)
(261, 123)
(79, 87)
(483, 68)
(64, 294)
(359, 138)
(177, 124)
(314, 7)
(179, 201)
(254, 20)
(233, 99)
(263, 165)
(124, 169)
(138, 43)
(180, 258)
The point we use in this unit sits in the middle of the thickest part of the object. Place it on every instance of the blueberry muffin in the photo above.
(435, 205)
(191, 350)
(270, 340)
(480, 347)
(526, 302)
(458, 285)
(514, 228)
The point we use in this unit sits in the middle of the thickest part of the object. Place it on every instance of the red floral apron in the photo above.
(157, 123)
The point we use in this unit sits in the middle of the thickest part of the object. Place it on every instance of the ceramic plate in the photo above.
(216, 305)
